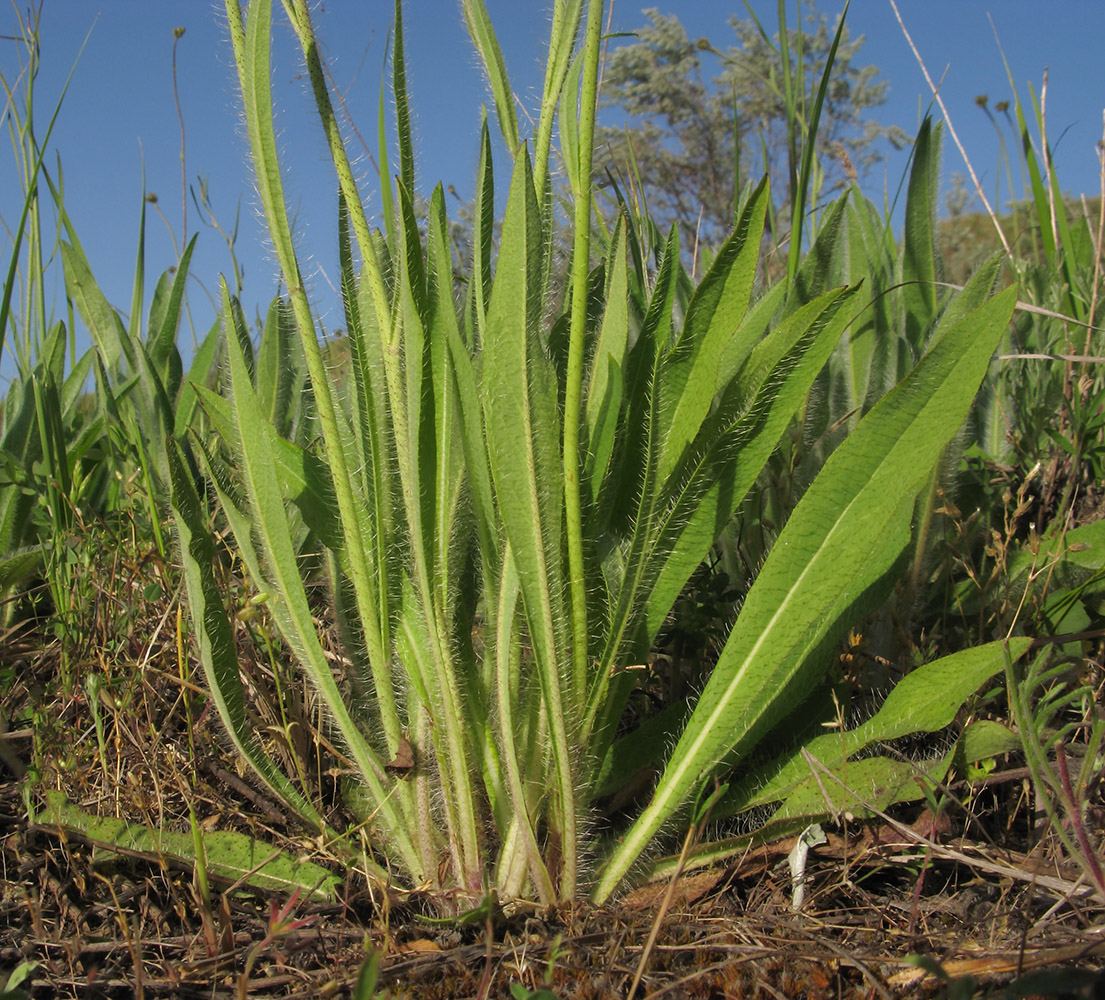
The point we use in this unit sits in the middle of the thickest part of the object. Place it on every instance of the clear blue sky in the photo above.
(119, 117)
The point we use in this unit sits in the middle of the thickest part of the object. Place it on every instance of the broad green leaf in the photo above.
(520, 413)
(860, 788)
(519, 396)
(735, 444)
(754, 328)
(871, 259)
(231, 857)
(924, 701)
(633, 482)
(842, 539)
(19, 566)
(986, 738)
(818, 271)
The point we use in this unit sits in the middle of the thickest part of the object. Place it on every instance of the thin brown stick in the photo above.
(1061, 887)
(951, 129)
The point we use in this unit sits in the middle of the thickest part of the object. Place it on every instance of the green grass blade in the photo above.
(30, 199)
(801, 191)
(1039, 189)
(138, 294)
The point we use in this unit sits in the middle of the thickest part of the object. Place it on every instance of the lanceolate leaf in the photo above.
(483, 36)
(520, 410)
(845, 534)
(688, 375)
(164, 323)
(102, 321)
(483, 230)
(215, 639)
(919, 248)
(607, 371)
(737, 441)
(632, 483)
(304, 478)
(275, 370)
(232, 857)
(198, 374)
(520, 413)
(924, 701)
(289, 602)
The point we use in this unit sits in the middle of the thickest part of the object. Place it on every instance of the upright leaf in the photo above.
(843, 537)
